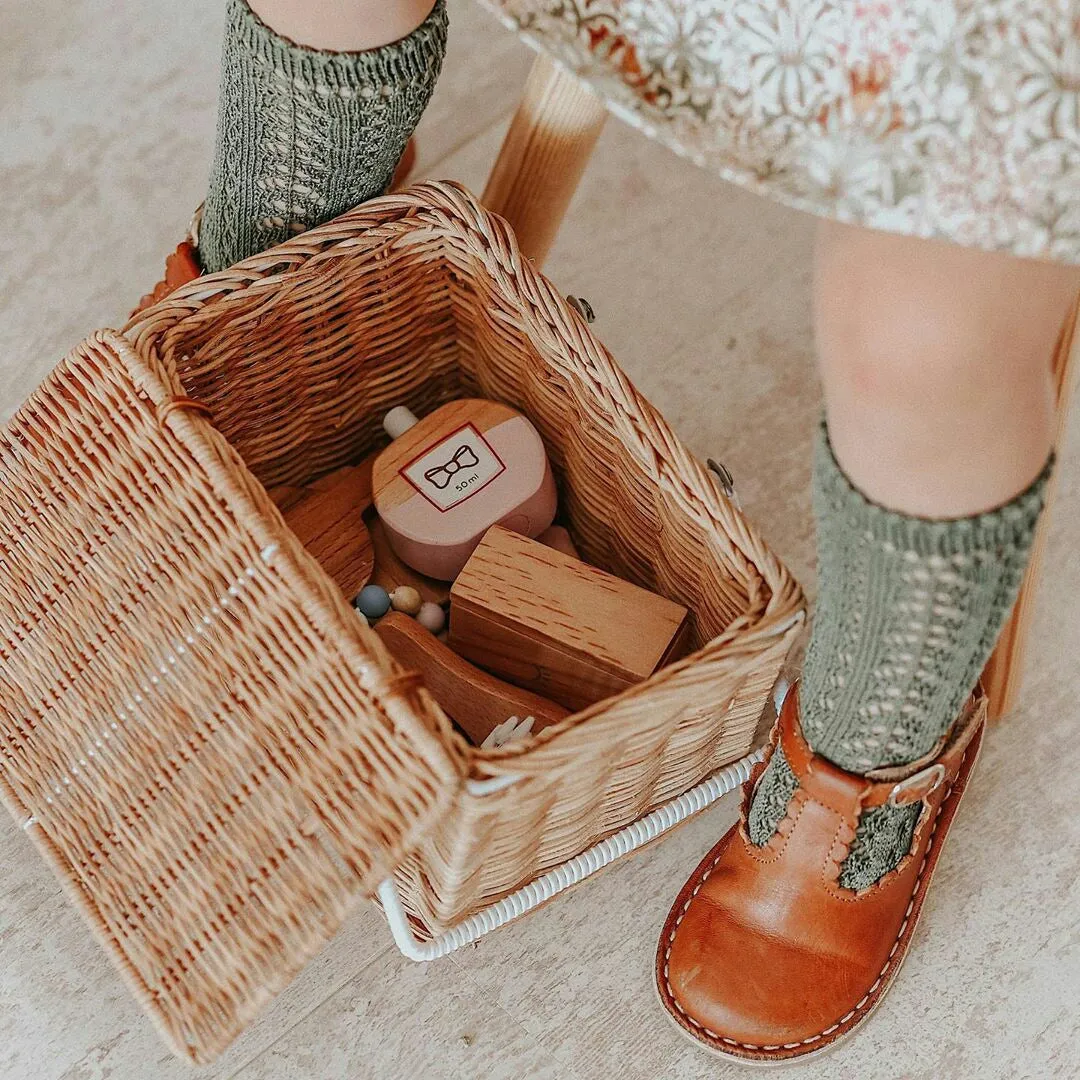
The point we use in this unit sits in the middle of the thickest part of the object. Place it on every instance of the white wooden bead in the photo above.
(431, 617)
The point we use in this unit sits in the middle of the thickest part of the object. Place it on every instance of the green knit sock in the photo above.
(304, 135)
(908, 613)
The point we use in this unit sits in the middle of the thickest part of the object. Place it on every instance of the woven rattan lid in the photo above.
(199, 734)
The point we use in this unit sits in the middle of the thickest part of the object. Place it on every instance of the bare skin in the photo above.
(343, 25)
(936, 366)
(934, 358)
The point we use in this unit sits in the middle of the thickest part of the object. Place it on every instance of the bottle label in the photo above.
(455, 469)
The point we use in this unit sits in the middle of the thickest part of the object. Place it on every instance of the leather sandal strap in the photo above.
(823, 781)
(850, 793)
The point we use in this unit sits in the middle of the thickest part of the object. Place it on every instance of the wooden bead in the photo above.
(406, 600)
(373, 602)
(431, 617)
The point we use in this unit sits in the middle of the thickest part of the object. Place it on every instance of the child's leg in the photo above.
(318, 100)
(936, 363)
(928, 486)
(343, 25)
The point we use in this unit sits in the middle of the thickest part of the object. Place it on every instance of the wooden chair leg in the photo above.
(1001, 677)
(543, 155)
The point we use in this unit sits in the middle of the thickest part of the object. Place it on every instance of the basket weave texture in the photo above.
(214, 753)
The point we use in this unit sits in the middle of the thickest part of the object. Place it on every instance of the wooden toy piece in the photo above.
(558, 626)
(286, 496)
(372, 602)
(432, 617)
(558, 538)
(407, 600)
(445, 479)
(391, 573)
(353, 479)
(358, 488)
(476, 701)
(392, 486)
(330, 525)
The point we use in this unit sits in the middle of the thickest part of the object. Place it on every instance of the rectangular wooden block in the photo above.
(546, 621)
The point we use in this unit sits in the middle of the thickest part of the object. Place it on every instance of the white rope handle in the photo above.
(531, 896)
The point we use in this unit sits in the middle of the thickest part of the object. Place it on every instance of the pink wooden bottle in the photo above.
(446, 479)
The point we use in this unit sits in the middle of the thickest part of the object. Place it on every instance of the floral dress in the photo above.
(953, 119)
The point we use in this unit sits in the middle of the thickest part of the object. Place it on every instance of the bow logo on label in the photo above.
(440, 476)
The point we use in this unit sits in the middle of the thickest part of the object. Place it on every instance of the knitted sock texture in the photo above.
(908, 612)
(303, 134)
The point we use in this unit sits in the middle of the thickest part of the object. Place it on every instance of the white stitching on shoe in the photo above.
(877, 982)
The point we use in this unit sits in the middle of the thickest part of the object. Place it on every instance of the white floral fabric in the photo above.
(952, 119)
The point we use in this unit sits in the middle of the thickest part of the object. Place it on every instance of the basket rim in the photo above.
(449, 206)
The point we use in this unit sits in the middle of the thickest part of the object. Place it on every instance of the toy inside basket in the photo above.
(282, 763)
(422, 298)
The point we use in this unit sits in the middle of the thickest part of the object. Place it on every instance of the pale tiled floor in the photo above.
(106, 113)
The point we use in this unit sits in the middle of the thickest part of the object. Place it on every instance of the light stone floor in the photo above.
(106, 109)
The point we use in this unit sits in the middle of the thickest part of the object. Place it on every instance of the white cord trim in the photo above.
(489, 787)
(531, 896)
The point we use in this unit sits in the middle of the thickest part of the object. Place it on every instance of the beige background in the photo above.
(106, 114)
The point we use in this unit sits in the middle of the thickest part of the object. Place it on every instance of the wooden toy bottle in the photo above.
(446, 479)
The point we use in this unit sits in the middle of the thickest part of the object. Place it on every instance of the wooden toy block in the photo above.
(557, 537)
(391, 572)
(286, 496)
(560, 627)
(353, 479)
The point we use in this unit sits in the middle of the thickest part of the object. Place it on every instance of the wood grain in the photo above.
(476, 701)
(330, 524)
(544, 155)
(548, 621)
(351, 480)
(286, 496)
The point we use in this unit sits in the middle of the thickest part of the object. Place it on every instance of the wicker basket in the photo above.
(196, 729)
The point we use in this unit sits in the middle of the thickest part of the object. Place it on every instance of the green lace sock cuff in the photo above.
(908, 612)
(907, 615)
(303, 134)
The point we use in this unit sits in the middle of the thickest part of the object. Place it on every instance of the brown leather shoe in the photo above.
(405, 166)
(765, 957)
(181, 266)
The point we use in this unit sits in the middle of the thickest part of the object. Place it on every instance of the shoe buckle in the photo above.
(923, 783)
